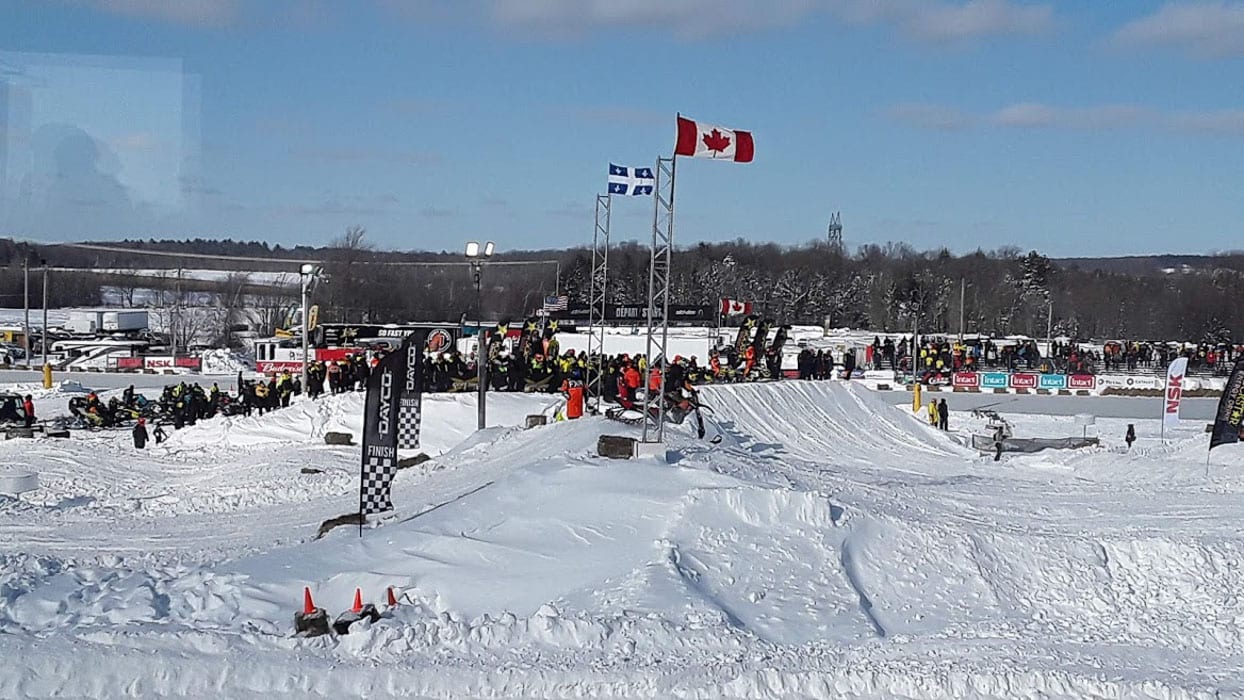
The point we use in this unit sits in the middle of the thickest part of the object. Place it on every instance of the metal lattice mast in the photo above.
(597, 298)
(659, 295)
(835, 230)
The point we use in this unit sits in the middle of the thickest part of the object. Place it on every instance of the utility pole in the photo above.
(962, 291)
(44, 336)
(1049, 329)
(174, 314)
(26, 303)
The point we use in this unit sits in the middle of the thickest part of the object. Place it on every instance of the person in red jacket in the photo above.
(28, 407)
(572, 388)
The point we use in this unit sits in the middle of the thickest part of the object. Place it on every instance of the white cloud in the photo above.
(927, 20)
(978, 18)
(203, 13)
(1225, 121)
(928, 116)
(1036, 115)
(1205, 29)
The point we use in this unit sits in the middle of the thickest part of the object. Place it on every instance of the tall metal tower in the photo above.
(835, 229)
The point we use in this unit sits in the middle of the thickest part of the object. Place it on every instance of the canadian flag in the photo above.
(707, 141)
(730, 307)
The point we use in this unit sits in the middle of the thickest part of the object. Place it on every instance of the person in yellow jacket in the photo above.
(933, 416)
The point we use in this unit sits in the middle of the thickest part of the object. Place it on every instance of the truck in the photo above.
(100, 321)
(124, 321)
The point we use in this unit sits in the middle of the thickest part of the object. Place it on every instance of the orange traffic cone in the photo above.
(358, 601)
(308, 605)
(392, 598)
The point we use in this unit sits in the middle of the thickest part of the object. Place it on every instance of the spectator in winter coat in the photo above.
(933, 420)
(140, 434)
(28, 407)
(943, 415)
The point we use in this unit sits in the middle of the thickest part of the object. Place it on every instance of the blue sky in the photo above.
(1097, 128)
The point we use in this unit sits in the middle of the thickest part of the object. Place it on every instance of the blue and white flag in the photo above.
(631, 181)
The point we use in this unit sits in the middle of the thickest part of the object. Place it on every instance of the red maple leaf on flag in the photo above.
(715, 141)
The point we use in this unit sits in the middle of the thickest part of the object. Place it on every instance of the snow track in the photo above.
(832, 545)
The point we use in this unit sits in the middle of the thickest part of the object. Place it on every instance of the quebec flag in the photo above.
(631, 181)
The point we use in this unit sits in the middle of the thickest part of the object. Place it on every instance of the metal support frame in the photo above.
(598, 297)
(659, 295)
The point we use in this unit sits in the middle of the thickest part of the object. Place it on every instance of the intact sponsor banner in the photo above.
(1174, 392)
(1053, 382)
(1023, 380)
(158, 362)
(193, 363)
(1119, 381)
(967, 380)
(1230, 414)
(129, 363)
(995, 380)
(635, 313)
(1082, 381)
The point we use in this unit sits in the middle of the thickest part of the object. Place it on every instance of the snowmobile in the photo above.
(742, 340)
(11, 409)
(85, 419)
(679, 405)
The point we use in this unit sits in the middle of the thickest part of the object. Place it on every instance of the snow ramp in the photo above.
(820, 421)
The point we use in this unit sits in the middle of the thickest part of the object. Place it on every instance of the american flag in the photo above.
(556, 303)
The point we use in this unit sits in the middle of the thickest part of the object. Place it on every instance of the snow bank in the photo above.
(831, 545)
(223, 361)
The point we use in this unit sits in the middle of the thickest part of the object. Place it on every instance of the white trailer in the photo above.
(124, 321)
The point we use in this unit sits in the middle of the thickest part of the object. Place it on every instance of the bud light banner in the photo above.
(1174, 392)
(1052, 382)
(1230, 414)
(995, 380)
(380, 428)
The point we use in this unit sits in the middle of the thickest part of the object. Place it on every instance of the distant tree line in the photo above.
(885, 288)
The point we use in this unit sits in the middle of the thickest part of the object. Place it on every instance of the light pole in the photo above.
(477, 256)
(26, 297)
(47, 369)
(308, 272)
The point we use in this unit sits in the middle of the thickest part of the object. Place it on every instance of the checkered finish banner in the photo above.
(378, 475)
(410, 408)
(380, 429)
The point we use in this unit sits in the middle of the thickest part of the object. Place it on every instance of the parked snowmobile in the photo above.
(11, 411)
(744, 337)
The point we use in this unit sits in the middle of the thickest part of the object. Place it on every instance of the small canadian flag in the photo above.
(699, 140)
(731, 307)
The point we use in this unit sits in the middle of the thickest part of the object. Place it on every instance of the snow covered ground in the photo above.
(832, 545)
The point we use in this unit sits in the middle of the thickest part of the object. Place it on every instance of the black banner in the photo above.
(638, 313)
(380, 428)
(1230, 414)
(440, 337)
(410, 406)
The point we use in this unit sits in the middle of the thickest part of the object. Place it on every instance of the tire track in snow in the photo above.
(847, 560)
